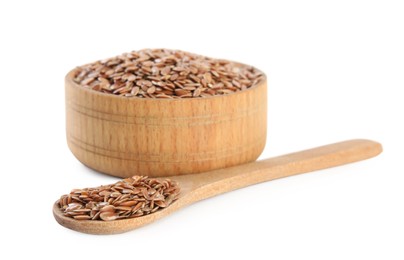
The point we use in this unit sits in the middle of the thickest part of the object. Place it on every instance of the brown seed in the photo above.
(126, 191)
(178, 69)
(115, 194)
(62, 201)
(192, 85)
(137, 207)
(143, 58)
(225, 91)
(195, 78)
(109, 72)
(197, 92)
(164, 96)
(177, 84)
(135, 91)
(236, 83)
(155, 71)
(82, 217)
(131, 77)
(165, 71)
(147, 83)
(131, 69)
(181, 92)
(161, 204)
(82, 210)
(218, 85)
(108, 208)
(214, 73)
(151, 90)
(194, 70)
(123, 208)
(96, 216)
(174, 77)
(147, 63)
(129, 203)
(121, 90)
(87, 81)
(105, 193)
(108, 216)
(208, 77)
(73, 206)
(103, 80)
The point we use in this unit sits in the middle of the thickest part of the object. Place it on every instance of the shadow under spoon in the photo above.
(196, 187)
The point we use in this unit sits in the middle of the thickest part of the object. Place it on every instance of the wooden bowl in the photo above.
(124, 136)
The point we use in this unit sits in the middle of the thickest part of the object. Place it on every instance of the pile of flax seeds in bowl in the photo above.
(164, 73)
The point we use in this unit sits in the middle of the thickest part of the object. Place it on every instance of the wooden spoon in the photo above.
(200, 186)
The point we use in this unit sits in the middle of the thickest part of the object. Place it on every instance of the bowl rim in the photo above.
(69, 79)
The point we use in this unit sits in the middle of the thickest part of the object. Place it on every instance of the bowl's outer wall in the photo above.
(160, 137)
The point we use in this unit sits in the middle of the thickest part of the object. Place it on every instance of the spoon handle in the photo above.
(216, 182)
(316, 159)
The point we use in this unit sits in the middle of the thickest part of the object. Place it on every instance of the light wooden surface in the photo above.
(163, 137)
(197, 187)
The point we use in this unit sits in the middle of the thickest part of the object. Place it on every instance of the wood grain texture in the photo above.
(196, 187)
(163, 137)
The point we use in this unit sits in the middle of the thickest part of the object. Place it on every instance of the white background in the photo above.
(335, 71)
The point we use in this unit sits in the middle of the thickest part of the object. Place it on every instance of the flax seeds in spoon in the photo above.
(128, 198)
